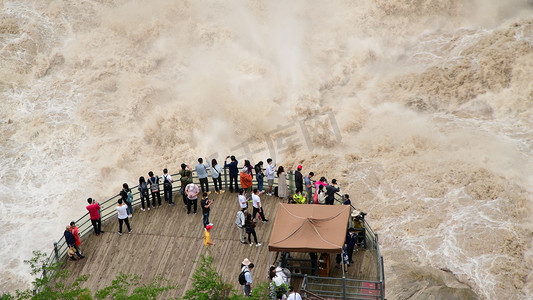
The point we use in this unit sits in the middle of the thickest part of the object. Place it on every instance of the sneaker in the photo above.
(171, 204)
(142, 209)
(119, 233)
(208, 193)
(251, 244)
(82, 257)
(244, 242)
(195, 213)
(73, 258)
(129, 231)
(221, 191)
(258, 244)
(189, 213)
(265, 221)
(148, 208)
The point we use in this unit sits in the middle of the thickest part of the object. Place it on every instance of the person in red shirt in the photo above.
(94, 213)
(76, 233)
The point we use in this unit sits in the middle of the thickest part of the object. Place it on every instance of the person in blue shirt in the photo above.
(233, 173)
(201, 171)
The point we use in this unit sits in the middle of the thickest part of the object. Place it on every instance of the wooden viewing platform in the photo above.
(167, 242)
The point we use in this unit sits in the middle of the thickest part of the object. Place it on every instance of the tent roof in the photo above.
(309, 228)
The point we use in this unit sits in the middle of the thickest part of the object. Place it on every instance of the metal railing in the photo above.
(108, 211)
(343, 288)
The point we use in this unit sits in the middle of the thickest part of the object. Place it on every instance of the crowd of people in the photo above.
(240, 181)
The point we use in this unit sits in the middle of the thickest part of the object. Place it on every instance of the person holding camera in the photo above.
(205, 203)
(233, 173)
(94, 213)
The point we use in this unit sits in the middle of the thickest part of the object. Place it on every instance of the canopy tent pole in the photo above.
(343, 277)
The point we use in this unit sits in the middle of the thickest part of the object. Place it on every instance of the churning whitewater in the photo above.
(423, 111)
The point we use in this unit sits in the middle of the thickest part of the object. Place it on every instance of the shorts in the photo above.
(270, 182)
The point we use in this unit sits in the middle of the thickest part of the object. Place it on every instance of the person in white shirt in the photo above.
(293, 295)
(243, 203)
(122, 213)
(256, 203)
(270, 175)
(247, 288)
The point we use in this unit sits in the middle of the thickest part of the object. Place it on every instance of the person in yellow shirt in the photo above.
(207, 235)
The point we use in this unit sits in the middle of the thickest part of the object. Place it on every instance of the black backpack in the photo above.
(242, 279)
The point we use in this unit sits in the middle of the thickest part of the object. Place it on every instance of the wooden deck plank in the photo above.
(167, 242)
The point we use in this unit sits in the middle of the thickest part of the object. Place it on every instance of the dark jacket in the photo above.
(330, 192)
(69, 238)
(299, 179)
(233, 169)
(351, 240)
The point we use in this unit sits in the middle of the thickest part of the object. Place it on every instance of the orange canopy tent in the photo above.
(309, 228)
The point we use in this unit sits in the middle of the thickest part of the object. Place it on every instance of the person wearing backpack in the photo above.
(167, 187)
(127, 197)
(245, 279)
(154, 187)
(185, 179)
(143, 192)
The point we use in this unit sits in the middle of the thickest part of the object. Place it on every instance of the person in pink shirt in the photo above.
(94, 213)
(323, 182)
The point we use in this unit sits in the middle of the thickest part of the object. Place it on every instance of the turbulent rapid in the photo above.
(422, 110)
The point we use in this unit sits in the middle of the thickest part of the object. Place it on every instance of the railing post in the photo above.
(292, 186)
(56, 251)
(225, 179)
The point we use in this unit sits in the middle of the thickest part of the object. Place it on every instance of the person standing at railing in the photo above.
(185, 179)
(331, 190)
(201, 171)
(192, 192)
(321, 182)
(94, 214)
(71, 242)
(216, 174)
(76, 233)
(233, 173)
(308, 181)
(127, 197)
(246, 179)
(122, 214)
(259, 175)
(167, 187)
(283, 191)
(299, 180)
(154, 187)
(143, 192)
(270, 172)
